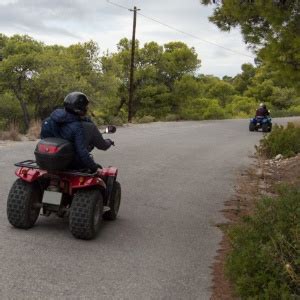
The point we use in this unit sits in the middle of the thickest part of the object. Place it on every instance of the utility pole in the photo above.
(132, 65)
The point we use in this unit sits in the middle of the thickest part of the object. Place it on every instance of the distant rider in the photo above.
(262, 111)
(71, 123)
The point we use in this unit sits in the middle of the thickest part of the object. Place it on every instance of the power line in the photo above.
(116, 4)
(195, 37)
(184, 32)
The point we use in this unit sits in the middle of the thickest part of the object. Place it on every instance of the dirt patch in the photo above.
(282, 171)
(259, 180)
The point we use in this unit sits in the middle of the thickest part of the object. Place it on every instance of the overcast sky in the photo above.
(71, 21)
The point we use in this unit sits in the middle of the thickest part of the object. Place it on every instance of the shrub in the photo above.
(214, 111)
(193, 109)
(34, 130)
(202, 108)
(282, 140)
(10, 111)
(242, 107)
(113, 120)
(241, 115)
(282, 113)
(264, 262)
(11, 134)
(294, 110)
(145, 119)
(172, 118)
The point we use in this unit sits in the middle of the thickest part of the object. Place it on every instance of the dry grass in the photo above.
(12, 134)
(296, 123)
(34, 130)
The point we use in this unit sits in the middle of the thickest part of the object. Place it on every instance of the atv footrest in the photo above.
(106, 208)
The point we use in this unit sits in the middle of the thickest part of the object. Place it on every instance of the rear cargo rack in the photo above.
(28, 164)
(33, 165)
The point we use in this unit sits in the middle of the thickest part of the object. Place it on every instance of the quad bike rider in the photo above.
(262, 111)
(65, 170)
(72, 124)
(262, 119)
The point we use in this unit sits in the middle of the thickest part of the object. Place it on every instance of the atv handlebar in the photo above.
(110, 129)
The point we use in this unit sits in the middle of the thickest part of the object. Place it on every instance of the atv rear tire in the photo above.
(115, 201)
(251, 127)
(24, 204)
(265, 128)
(85, 214)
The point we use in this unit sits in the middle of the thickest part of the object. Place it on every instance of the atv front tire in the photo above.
(265, 128)
(114, 203)
(251, 127)
(24, 204)
(85, 214)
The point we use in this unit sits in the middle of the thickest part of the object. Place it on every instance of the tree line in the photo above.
(35, 78)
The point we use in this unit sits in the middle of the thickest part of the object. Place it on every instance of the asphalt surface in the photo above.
(175, 179)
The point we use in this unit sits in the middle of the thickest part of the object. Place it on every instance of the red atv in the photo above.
(46, 184)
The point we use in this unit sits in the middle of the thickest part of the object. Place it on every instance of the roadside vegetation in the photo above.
(264, 260)
(35, 78)
(12, 133)
(282, 140)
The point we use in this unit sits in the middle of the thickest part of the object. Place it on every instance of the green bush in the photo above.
(242, 107)
(294, 110)
(193, 108)
(202, 108)
(116, 120)
(214, 111)
(282, 113)
(282, 140)
(172, 118)
(265, 259)
(145, 119)
(10, 111)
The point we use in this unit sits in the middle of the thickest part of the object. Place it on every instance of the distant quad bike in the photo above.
(46, 184)
(263, 123)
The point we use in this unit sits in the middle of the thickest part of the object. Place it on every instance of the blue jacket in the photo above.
(62, 124)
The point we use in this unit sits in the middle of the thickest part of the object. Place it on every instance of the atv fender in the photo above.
(80, 182)
(28, 174)
(110, 171)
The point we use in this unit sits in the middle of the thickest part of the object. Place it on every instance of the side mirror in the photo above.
(110, 129)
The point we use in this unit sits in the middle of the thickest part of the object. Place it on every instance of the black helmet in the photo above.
(76, 103)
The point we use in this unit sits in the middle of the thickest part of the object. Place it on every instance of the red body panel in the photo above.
(28, 174)
(78, 182)
(110, 171)
(72, 181)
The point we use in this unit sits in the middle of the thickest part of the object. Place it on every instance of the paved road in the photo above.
(175, 179)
